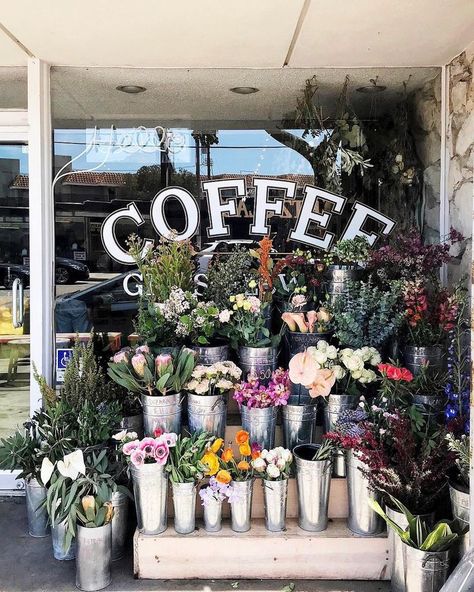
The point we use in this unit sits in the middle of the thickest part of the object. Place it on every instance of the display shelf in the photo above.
(335, 553)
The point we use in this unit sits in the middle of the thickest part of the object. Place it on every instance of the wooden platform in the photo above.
(335, 554)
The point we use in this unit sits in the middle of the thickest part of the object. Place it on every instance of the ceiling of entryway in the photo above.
(229, 34)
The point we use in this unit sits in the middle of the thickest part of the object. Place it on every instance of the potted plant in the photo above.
(313, 479)
(459, 481)
(273, 466)
(305, 329)
(207, 393)
(259, 404)
(147, 459)
(192, 458)
(212, 496)
(159, 380)
(426, 552)
(94, 542)
(345, 263)
(228, 274)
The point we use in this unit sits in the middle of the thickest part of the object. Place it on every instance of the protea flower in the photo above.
(88, 503)
(139, 363)
(109, 512)
(121, 356)
(163, 363)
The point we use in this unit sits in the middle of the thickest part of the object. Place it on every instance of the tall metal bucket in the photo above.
(36, 512)
(260, 424)
(299, 424)
(184, 504)
(299, 395)
(417, 357)
(298, 342)
(425, 571)
(336, 405)
(150, 489)
(241, 506)
(337, 278)
(275, 495)
(58, 538)
(93, 557)
(207, 414)
(120, 503)
(258, 361)
(162, 412)
(210, 354)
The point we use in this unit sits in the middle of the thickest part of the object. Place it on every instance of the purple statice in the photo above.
(215, 492)
(253, 394)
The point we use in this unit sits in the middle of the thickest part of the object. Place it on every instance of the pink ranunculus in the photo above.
(139, 363)
(137, 458)
(161, 453)
(142, 349)
(121, 356)
(148, 445)
(129, 447)
(162, 363)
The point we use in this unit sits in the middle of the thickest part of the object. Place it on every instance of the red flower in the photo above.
(395, 373)
(157, 432)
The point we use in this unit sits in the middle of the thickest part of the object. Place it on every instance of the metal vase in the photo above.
(462, 578)
(207, 413)
(362, 520)
(210, 354)
(163, 412)
(336, 405)
(337, 278)
(395, 545)
(298, 342)
(241, 506)
(425, 571)
(299, 395)
(299, 424)
(275, 495)
(431, 407)
(313, 480)
(460, 506)
(58, 538)
(258, 361)
(212, 512)
(93, 557)
(150, 489)
(120, 503)
(184, 504)
(416, 357)
(133, 423)
(36, 510)
(260, 424)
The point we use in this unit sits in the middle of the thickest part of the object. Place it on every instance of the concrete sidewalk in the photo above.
(27, 565)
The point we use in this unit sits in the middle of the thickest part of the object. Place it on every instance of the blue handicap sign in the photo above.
(63, 357)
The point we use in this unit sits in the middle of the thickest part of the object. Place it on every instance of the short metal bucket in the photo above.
(150, 489)
(299, 424)
(431, 407)
(36, 512)
(162, 412)
(58, 538)
(336, 405)
(93, 557)
(298, 342)
(133, 423)
(210, 354)
(241, 506)
(212, 514)
(425, 571)
(258, 361)
(184, 504)
(260, 424)
(207, 413)
(337, 278)
(313, 480)
(362, 520)
(460, 504)
(299, 395)
(275, 495)
(417, 357)
(120, 503)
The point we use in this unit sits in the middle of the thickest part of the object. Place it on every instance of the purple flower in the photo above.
(138, 458)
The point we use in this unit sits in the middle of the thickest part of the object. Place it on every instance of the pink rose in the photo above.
(138, 458)
(129, 447)
(139, 363)
(161, 453)
(162, 363)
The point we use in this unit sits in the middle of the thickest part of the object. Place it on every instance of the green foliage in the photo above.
(94, 512)
(184, 464)
(461, 447)
(366, 315)
(228, 275)
(351, 251)
(325, 451)
(202, 324)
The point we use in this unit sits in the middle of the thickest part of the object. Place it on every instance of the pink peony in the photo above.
(139, 363)
(138, 458)
(161, 453)
(129, 447)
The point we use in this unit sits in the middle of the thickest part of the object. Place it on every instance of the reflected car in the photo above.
(69, 271)
(9, 272)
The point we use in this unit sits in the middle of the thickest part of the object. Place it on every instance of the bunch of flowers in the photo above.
(253, 394)
(238, 469)
(353, 251)
(218, 378)
(313, 321)
(147, 450)
(193, 457)
(297, 278)
(139, 371)
(247, 326)
(395, 382)
(216, 491)
(274, 464)
(203, 324)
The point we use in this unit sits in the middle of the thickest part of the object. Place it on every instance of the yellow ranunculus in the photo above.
(211, 461)
(247, 305)
(245, 449)
(216, 445)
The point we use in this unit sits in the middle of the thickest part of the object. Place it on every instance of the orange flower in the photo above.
(255, 454)
(227, 455)
(243, 465)
(241, 437)
(264, 256)
(245, 449)
(223, 477)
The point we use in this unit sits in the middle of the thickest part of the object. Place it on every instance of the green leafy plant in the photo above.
(461, 448)
(228, 274)
(325, 451)
(203, 324)
(350, 251)
(185, 463)
(94, 512)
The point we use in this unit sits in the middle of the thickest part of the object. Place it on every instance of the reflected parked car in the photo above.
(9, 272)
(68, 271)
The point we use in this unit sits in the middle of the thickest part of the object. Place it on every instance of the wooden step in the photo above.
(335, 554)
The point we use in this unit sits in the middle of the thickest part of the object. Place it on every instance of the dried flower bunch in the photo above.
(218, 378)
(253, 394)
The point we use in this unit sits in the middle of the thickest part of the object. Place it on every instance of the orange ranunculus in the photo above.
(216, 445)
(227, 455)
(255, 454)
(241, 437)
(245, 449)
(243, 465)
(223, 477)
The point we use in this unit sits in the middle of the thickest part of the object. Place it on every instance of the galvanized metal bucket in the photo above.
(417, 357)
(133, 423)
(241, 506)
(298, 342)
(150, 489)
(258, 361)
(275, 495)
(36, 510)
(338, 277)
(210, 354)
(207, 413)
(460, 506)
(395, 545)
(431, 407)
(162, 412)
(462, 578)
(93, 557)
(299, 395)
(299, 424)
(335, 406)
(212, 512)
(362, 520)
(58, 539)
(184, 504)
(260, 424)
(120, 503)
(425, 571)
(313, 480)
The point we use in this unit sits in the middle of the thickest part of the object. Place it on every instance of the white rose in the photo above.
(287, 456)
(273, 471)
(224, 316)
(322, 345)
(320, 357)
(331, 352)
(346, 352)
(376, 359)
(357, 374)
(259, 464)
(264, 453)
(339, 372)
(281, 464)
(364, 353)
(353, 363)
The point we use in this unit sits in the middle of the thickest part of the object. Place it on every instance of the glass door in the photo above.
(14, 295)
